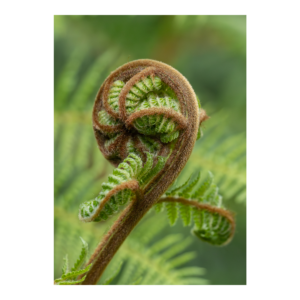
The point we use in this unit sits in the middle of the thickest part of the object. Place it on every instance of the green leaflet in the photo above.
(105, 119)
(159, 207)
(172, 212)
(148, 165)
(113, 96)
(82, 257)
(214, 230)
(74, 274)
(199, 133)
(185, 213)
(65, 268)
(204, 187)
(175, 190)
(69, 278)
(209, 226)
(73, 282)
(187, 189)
(158, 167)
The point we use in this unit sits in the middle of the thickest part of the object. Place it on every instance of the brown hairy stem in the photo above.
(204, 206)
(174, 165)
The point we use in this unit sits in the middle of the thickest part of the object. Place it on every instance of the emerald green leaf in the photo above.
(72, 282)
(176, 189)
(172, 212)
(190, 186)
(83, 255)
(159, 207)
(65, 268)
(204, 187)
(74, 274)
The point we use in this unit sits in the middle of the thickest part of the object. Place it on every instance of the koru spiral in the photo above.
(146, 120)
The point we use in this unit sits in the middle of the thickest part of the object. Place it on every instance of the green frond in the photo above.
(90, 84)
(65, 268)
(176, 190)
(182, 259)
(83, 255)
(204, 187)
(160, 262)
(74, 274)
(159, 207)
(214, 227)
(165, 243)
(67, 80)
(158, 167)
(185, 213)
(176, 249)
(142, 252)
(148, 165)
(73, 282)
(69, 277)
(172, 213)
(187, 189)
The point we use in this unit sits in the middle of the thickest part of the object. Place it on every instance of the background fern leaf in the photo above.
(214, 74)
(83, 256)
(112, 277)
(65, 268)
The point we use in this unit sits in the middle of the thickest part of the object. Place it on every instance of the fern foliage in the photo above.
(201, 205)
(149, 260)
(77, 177)
(146, 259)
(69, 277)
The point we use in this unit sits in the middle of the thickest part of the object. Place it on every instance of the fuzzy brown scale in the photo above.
(177, 151)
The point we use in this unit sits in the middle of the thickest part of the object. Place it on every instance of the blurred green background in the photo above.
(210, 51)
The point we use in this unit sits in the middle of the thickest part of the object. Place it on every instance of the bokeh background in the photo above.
(210, 51)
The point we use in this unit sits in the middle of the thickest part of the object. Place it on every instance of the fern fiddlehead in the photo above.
(146, 120)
